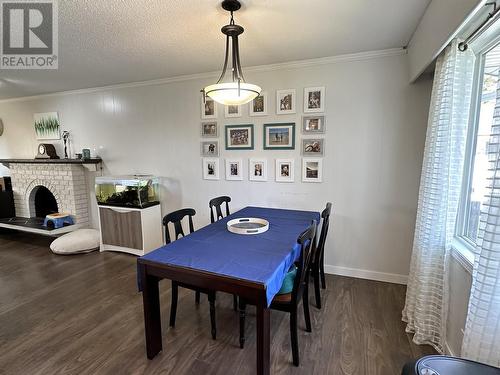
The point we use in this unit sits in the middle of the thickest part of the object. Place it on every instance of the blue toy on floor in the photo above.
(56, 221)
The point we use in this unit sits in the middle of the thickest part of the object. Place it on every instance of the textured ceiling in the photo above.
(117, 41)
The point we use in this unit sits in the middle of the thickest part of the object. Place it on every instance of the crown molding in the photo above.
(352, 57)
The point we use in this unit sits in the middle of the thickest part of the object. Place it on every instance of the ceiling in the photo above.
(119, 41)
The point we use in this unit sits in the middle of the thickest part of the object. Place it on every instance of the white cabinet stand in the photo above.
(130, 230)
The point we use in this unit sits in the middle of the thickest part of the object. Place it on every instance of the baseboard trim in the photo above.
(367, 274)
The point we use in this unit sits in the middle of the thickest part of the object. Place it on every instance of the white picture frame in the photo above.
(285, 102)
(282, 174)
(312, 170)
(210, 148)
(313, 125)
(208, 108)
(47, 126)
(258, 106)
(211, 168)
(257, 169)
(314, 99)
(209, 129)
(314, 147)
(234, 169)
(231, 111)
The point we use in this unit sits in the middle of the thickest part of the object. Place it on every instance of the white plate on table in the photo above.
(248, 225)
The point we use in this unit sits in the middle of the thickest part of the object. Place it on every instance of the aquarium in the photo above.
(139, 191)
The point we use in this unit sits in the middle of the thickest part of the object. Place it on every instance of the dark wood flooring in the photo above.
(83, 315)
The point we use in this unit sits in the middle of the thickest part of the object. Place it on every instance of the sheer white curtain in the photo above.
(426, 299)
(482, 330)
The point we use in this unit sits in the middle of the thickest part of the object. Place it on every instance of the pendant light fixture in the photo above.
(237, 91)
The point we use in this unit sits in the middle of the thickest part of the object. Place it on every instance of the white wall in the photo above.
(460, 283)
(438, 26)
(376, 125)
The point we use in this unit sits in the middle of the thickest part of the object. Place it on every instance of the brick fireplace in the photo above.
(66, 182)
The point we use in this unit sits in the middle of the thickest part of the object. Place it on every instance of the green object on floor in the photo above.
(287, 285)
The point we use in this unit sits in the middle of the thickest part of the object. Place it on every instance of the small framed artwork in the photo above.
(210, 148)
(314, 99)
(47, 126)
(239, 137)
(279, 136)
(209, 129)
(312, 170)
(211, 168)
(285, 170)
(234, 169)
(285, 102)
(258, 106)
(208, 108)
(313, 125)
(232, 111)
(257, 170)
(313, 147)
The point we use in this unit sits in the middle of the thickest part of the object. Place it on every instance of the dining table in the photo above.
(252, 267)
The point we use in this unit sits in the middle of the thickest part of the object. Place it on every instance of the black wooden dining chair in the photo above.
(289, 302)
(217, 203)
(176, 218)
(318, 261)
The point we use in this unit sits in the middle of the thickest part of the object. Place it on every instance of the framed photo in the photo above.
(208, 108)
(239, 137)
(210, 168)
(312, 170)
(258, 106)
(257, 170)
(279, 136)
(314, 99)
(209, 129)
(285, 170)
(210, 148)
(47, 126)
(313, 125)
(234, 169)
(232, 111)
(313, 147)
(285, 101)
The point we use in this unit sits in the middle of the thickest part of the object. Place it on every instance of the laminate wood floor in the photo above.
(82, 314)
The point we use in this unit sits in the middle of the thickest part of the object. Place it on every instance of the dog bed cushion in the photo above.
(79, 241)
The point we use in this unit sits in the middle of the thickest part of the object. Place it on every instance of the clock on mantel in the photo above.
(46, 151)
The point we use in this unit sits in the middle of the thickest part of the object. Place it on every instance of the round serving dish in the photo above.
(248, 225)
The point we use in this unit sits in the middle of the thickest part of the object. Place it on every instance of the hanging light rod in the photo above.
(237, 91)
(490, 20)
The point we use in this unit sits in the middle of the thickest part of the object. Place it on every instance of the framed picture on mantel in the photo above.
(47, 126)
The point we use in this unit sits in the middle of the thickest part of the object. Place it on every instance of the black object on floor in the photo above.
(444, 365)
(7, 209)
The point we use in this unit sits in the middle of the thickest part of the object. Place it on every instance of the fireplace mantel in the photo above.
(90, 164)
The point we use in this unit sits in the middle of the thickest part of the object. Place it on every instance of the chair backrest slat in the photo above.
(320, 248)
(306, 242)
(217, 204)
(176, 218)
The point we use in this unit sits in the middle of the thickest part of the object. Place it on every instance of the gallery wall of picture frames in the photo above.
(275, 136)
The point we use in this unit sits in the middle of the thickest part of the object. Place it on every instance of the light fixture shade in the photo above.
(230, 94)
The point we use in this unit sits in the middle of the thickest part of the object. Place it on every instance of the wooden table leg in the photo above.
(152, 318)
(263, 340)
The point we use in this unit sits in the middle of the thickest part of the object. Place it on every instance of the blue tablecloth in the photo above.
(264, 258)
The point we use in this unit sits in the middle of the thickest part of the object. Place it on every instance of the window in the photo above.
(476, 176)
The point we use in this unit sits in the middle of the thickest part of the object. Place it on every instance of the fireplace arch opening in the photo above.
(42, 202)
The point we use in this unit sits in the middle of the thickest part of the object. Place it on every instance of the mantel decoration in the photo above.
(237, 91)
(65, 137)
(47, 126)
